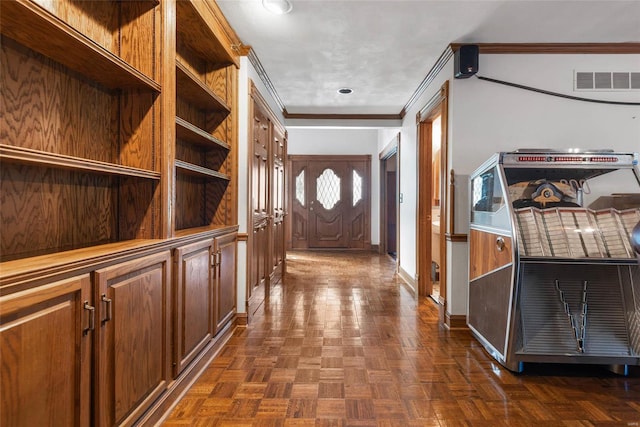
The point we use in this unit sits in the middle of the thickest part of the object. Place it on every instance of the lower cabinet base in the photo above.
(177, 389)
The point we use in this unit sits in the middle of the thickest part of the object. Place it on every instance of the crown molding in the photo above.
(264, 77)
(314, 116)
(560, 48)
(431, 75)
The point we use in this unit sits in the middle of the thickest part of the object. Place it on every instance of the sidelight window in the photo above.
(300, 187)
(357, 188)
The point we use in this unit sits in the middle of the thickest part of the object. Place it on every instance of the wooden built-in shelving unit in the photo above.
(118, 132)
(205, 120)
(78, 95)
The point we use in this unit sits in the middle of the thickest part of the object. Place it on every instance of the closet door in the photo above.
(259, 204)
(277, 198)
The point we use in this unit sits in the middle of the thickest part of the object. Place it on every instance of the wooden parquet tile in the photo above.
(342, 343)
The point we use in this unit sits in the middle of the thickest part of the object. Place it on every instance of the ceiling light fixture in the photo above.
(345, 90)
(279, 7)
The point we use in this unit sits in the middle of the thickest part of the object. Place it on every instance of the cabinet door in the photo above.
(193, 301)
(132, 355)
(45, 350)
(226, 293)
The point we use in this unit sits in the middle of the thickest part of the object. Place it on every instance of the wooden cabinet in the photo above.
(45, 352)
(204, 295)
(225, 279)
(133, 337)
(194, 301)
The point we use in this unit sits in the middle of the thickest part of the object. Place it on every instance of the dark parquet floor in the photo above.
(343, 343)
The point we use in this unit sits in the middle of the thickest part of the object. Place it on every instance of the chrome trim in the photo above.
(491, 272)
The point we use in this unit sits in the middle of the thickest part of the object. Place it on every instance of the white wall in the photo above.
(343, 141)
(485, 118)
(246, 72)
(488, 118)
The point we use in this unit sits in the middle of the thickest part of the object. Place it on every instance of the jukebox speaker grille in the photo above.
(575, 232)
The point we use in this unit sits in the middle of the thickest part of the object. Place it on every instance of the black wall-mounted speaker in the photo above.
(465, 61)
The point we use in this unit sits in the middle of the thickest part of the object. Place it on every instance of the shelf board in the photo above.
(195, 170)
(34, 27)
(193, 134)
(204, 230)
(197, 93)
(17, 272)
(198, 32)
(13, 154)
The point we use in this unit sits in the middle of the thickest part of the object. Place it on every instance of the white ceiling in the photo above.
(384, 49)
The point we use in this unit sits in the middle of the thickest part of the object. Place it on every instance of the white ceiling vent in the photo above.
(606, 81)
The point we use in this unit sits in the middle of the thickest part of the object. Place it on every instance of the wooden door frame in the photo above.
(290, 190)
(392, 148)
(436, 106)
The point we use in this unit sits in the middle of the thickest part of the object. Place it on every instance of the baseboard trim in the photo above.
(242, 319)
(406, 277)
(179, 387)
(455, 321)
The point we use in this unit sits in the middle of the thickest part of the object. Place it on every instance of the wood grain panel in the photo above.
(190, 202)
(138, 209)
(47, 108)
(133, 350)
(219, 202)
(138, 137)
(95, 19)
(192, 114)
(137, 36)
(217, 80)
(484, 255)
(47, 210)
(194, 302)
(42, 343)
(226, 289)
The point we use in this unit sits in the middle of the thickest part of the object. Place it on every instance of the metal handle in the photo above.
(500, 244)
(92, 318)
(108, 301)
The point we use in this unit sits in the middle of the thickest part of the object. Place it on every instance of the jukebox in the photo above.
(553, 275)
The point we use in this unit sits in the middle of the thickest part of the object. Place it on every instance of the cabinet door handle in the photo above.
(92, 317)
(108, 301)
(500, 244)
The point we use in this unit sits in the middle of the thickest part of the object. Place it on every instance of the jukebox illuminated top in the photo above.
(567, 204)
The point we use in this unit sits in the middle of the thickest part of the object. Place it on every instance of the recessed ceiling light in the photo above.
(279, 7)
(345, 90)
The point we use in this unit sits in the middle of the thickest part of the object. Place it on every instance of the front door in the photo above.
(329, 206)
(330, 202)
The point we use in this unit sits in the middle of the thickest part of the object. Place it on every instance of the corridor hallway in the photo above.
(342, 343)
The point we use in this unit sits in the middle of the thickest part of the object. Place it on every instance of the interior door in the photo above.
(329, 204)
(391, 212)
